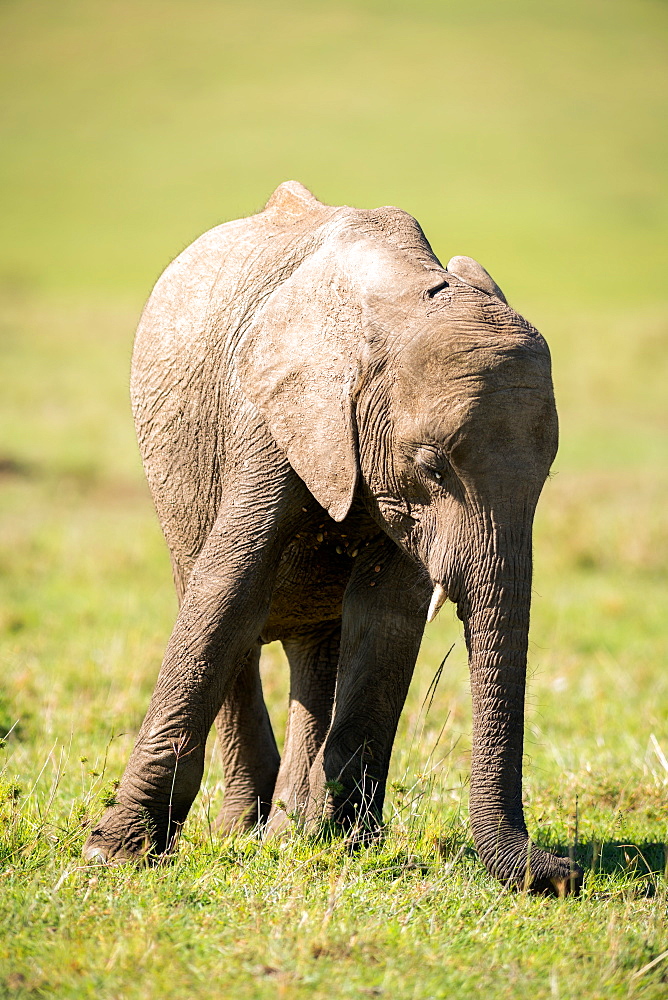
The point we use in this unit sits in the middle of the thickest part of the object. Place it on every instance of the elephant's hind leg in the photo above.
(248, 750)
(313, 660)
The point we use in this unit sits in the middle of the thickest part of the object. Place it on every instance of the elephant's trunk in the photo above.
(495, 610)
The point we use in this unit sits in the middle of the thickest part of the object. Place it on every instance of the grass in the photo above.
(526, 136)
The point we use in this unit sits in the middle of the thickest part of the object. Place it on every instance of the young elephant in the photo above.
(335, 429)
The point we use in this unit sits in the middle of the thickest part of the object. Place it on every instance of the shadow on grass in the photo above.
(618, 857)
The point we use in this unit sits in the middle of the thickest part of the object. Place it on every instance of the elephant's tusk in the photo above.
(438, 599)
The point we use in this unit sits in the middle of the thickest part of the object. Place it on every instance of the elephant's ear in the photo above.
(298, 364)
(474, 274)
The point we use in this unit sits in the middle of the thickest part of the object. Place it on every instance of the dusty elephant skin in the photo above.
(339, 433)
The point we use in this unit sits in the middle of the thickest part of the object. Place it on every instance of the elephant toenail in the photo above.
(96, 856)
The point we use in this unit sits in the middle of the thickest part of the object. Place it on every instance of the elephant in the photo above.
(339, 434)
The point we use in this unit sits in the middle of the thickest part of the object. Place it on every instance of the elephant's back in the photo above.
(183, 383)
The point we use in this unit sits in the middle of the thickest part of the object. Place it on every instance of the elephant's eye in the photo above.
(432, 463)
(438, 288)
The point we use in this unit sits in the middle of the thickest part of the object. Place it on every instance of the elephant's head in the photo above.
(381, 372)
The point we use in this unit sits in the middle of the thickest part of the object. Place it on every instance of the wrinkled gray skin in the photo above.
(334, 427)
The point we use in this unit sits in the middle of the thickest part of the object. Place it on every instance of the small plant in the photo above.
(108, 793)
(10, 791)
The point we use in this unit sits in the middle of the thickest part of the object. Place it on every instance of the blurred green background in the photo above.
(530, 136)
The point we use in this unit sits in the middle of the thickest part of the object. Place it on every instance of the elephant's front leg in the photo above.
(221, 616)
(313, 660)
(248, 750)
(384, 614)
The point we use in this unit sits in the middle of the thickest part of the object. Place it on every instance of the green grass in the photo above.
(527, 135)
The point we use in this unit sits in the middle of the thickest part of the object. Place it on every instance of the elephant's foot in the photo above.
(230, 821)
(154, 797)
(241, 812)
(288, 810)
(323, 816)
(280, 823)
(341, 806)
(130, 834)
(320, 815)
(343, 789)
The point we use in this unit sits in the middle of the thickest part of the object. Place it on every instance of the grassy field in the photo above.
(527, 135)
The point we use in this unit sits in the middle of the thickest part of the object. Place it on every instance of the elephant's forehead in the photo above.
(463, 366)
(440, 389)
